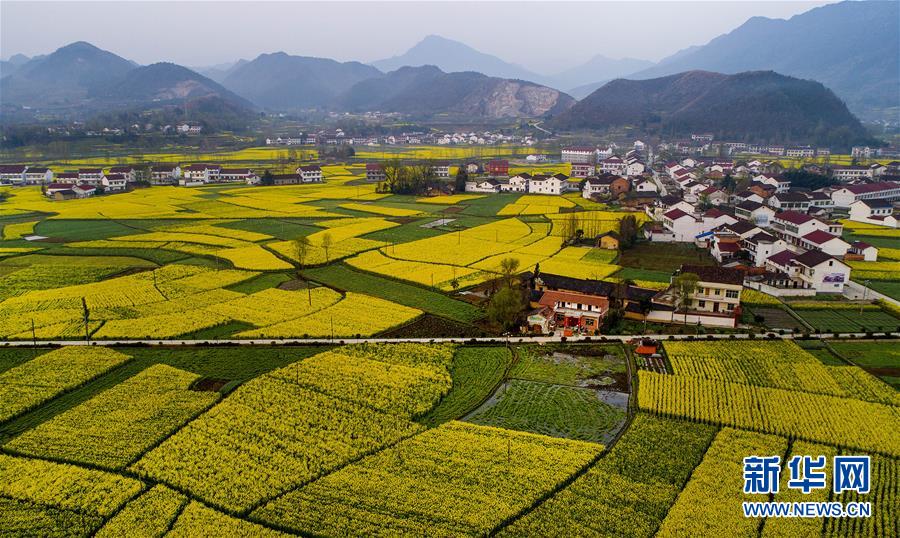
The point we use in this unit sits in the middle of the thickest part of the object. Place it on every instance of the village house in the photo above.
(483, 185)
(164, 174)
(862, 251)
(613, 165)
(65, 191)
(128, 172)
(845, 196)
(244, 175)
(874, 211)
(605, 185)
(200, 173)
(67, 178)
(821, 272)
(577, 305)
(441, 170)
(541, 184)
(646, 185)
(38, 175)
(747, 195)
(764, 190)
(310, 173)
(845, 174)
(497, 167)
(375, 172)
(754, 212)
(687, 227)
(820, 201)
(792, 226)
(113, 182)
(517, 183)
(585, 155)
(780, 183)
(90, 176)
(12, 174)
(761, 246)
(582, 170)
(825, 242)
(286, 179)
(715, 301)
(797, 201)
(713, 196)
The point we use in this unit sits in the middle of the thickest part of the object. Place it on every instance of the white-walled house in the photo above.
(38, 176)
(825, 242)
(613, 165)
(850, 173)
(128, 171)
(754, 212)
(547, 185)
(868, 252)
(887, 190)
(164, 174)
(114, 182)
(761, 246)
(822, 272)
(483, 185)
(789, 200)
(12, 174)
(517, 183)
(646, 185)
(877, 211)
(579, 155)
(310, 174)
(792, 226)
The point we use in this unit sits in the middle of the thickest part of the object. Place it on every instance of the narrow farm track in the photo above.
(459, 340)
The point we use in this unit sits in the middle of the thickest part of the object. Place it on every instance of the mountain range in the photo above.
(851, 47)
(754, 105)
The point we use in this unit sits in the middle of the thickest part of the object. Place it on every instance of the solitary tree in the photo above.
(326, 244)
(301, 248)
(685, 285)
(505, 307)
(508, 268)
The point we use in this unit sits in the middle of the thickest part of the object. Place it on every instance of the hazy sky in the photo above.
(543, 36)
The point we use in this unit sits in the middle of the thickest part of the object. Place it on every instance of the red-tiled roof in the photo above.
(550, 298)
(818, 237)
(864, 188)
(675, 214)
(794, 217)
(782, 258)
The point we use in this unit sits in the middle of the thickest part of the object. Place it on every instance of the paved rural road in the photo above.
(489, 340)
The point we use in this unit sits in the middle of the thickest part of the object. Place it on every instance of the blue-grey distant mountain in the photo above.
(427, 91)
(598, 68)
(752, 106)
(283, 82)
(164, 83)
(851, 47)
(64, 77)
(452, 56)
(219, 72)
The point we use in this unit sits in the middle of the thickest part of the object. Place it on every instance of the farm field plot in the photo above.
(710, 503)
(554, 410)
(50, 374)
(878, 358)
(118, 425)
(664, 257)
(344, 278)
(430, 483)
(849, 320)
(44, 498)
(777, 318)
(585, 365)
(629, 491)
(817, 418)
(476, 372)
(279, 418)
(779, 364)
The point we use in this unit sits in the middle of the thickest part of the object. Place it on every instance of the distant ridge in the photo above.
(758, 105)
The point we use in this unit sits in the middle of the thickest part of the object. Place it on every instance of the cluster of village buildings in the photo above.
(339, 138)
(86, 182)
